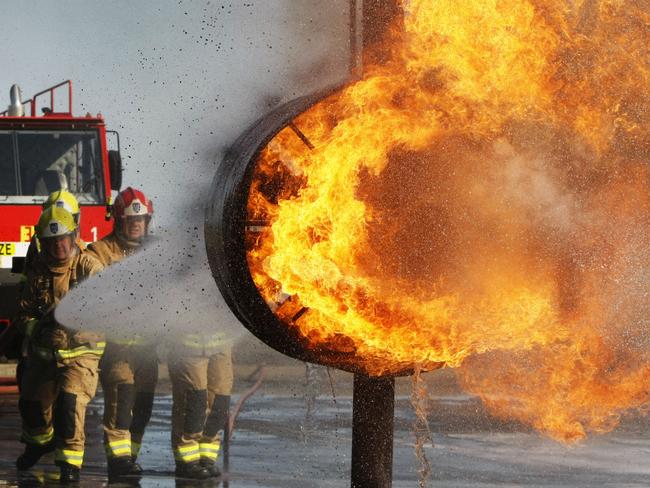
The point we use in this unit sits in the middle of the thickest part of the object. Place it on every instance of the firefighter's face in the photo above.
(135, 227)
(59, 248)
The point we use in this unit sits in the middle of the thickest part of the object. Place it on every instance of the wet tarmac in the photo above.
(299, 436)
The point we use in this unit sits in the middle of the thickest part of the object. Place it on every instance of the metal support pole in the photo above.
(373, 411)
(356, 38)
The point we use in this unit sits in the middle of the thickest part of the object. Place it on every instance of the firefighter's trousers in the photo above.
(128, 374)
(53, 400)
(201, 388)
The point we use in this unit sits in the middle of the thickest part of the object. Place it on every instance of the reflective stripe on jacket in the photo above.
(97, 349)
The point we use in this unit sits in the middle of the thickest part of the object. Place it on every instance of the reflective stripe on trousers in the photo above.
(74, 458)
(98, 350)
(209, 450)
(39, 440)
(187, 454)
(119, 448)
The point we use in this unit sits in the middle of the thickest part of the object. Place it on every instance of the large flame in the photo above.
(479, 200)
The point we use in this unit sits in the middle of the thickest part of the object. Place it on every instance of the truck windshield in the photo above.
(35, 163)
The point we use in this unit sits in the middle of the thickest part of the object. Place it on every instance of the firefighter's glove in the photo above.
(54, 337)
(30, 327)
(43, 353)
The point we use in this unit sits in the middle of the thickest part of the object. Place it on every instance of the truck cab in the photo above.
(42, 153)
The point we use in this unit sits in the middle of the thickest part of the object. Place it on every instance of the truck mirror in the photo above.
(115, 168)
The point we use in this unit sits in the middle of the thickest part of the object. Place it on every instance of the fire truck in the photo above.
(41, 153)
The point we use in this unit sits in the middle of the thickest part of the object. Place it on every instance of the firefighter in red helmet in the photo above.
(129, 368)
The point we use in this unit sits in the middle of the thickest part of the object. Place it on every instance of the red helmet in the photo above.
(130, 203)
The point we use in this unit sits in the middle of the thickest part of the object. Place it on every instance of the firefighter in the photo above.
(60, 374)
(62, 199)
(129, 368)
(200, 370)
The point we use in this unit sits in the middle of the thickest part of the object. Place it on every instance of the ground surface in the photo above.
(293, 434)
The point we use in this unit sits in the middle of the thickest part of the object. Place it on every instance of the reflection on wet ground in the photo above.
(287, 440)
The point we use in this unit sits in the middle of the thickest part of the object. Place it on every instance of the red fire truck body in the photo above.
(39, 155)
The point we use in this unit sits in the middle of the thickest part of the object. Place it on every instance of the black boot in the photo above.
(211, 467)
(123, 466)
(136, 469)
(32, 454)
(69, 473)
(136, 466)
(192, 470)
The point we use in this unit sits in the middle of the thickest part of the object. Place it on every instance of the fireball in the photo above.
(478, 199)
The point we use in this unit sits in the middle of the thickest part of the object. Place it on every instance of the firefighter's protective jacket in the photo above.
(112, 249)
(47, 283)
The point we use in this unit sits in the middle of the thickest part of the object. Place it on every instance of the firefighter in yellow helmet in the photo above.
(64, 199)
(129, 368)
(60, 374)
(61, 199)
(200, 370)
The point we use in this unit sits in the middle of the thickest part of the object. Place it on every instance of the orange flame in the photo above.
(478, 200)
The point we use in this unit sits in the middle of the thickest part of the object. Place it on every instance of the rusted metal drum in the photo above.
(225, 232)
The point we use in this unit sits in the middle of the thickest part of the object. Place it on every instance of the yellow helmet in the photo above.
(55, 222)
(63, 199)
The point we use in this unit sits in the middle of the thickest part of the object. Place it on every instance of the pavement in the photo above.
(295, 432)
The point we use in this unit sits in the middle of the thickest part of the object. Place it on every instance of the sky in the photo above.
(180, 81)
